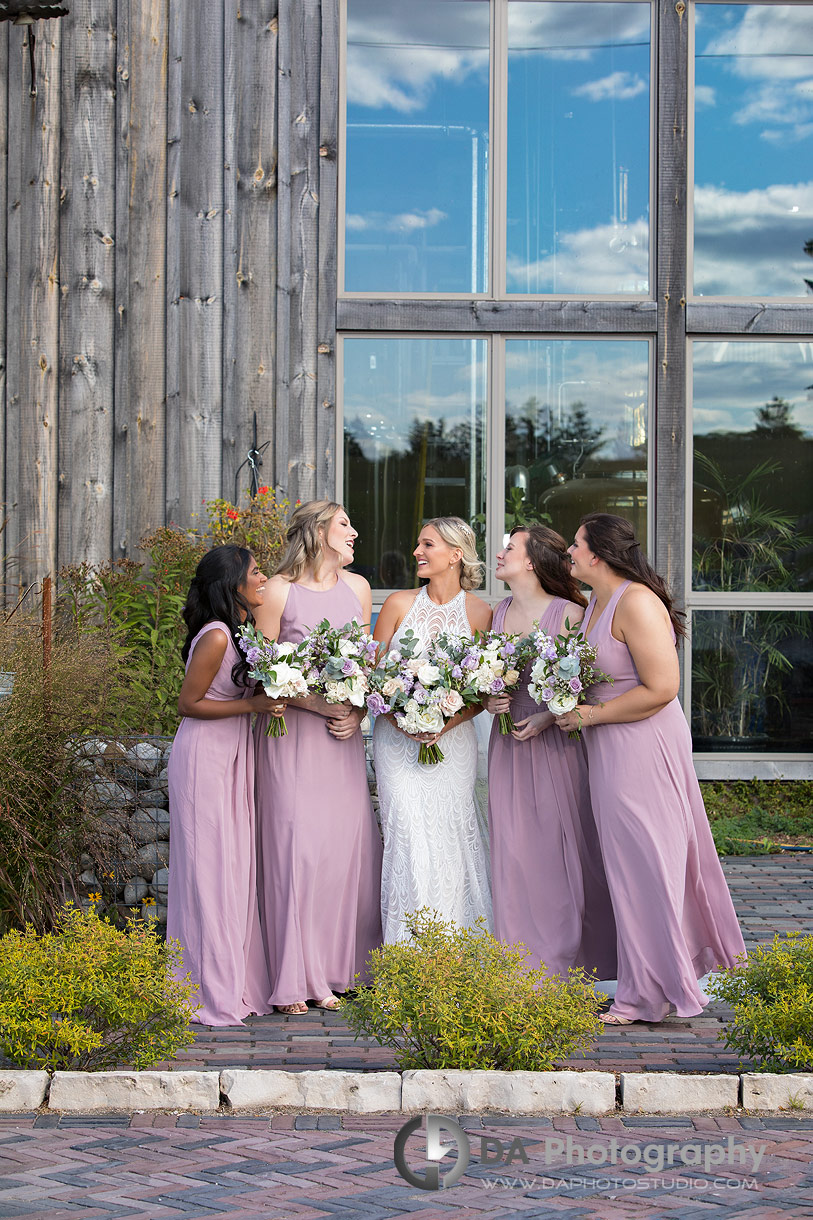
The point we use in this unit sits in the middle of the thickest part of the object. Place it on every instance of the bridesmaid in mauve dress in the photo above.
(212, 905)
(320, 847)
(548, 884)
(673, 911)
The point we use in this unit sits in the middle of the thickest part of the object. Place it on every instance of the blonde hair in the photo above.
(306, 536)
(457, 533)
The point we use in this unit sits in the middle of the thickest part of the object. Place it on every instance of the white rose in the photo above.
(562, 704)
(511, 677)
(285, 648)
(429, 719)
(415, 664)
(428, 674)
(348, 648)
(391, 686)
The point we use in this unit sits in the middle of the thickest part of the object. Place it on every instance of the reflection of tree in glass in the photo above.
(809, 251)
(737, 661)
(774, 421)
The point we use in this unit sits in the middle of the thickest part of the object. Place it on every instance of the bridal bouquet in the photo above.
(282, 669)
(416, 691)
(342, 660)
(489, 664)
(565, 667)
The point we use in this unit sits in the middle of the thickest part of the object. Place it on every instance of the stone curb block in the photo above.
(96, 1092)
(20, 1090)
(675, 1093)
(768, 1091)
(351, 1092)
(456, 1092)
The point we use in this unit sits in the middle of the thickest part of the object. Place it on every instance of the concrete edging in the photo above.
(455, 1092)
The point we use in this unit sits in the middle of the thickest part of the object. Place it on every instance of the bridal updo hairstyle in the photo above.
(613, 540)
(214, 596)
(548, 553)
(306, 537)
(456, 533)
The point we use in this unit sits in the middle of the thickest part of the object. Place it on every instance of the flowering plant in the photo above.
(342, 659)
(563, 670)
(283, 669)
(489, 664)
(416, 691)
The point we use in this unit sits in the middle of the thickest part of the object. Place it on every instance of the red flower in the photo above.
(262, 491)
(232, 514)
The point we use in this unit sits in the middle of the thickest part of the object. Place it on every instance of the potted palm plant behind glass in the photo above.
(737, 658)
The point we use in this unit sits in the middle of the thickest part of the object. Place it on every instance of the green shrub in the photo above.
(752, 817)
(260, 526)
(458, 998)
(47, 818)
(772, 999)
(91, 997)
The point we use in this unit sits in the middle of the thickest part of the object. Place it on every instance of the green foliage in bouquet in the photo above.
(457, 998)
(89, 997)
(772, 1000)
(46, 817)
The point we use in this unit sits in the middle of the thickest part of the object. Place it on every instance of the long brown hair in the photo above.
(613, 540)
(547, 551)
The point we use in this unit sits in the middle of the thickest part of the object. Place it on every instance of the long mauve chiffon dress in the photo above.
(673, 911)
(548, 885)
(320, 847)
(212, 905)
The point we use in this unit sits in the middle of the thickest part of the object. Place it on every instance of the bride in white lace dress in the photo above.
(435, 853)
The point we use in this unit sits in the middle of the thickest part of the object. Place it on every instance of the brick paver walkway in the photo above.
(163, 1167)
(771, 894)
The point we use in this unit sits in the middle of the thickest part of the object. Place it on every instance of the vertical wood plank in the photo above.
(33, 301)
(282, 344)
(198, 231)
(87, 277)
(172, 455)
(326, 429)
(140, 271)
(250, 221)
(4, 51)
(670, 368)
(303, 133)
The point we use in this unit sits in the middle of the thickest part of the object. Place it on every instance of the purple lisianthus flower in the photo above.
(376, 704)
(253, 654)
(349, 667)
(508, 650)
(550, 652)
(575, 685)
(497, 685)
(457, 672)
(419, 694)
(547, 694)
(469, 661)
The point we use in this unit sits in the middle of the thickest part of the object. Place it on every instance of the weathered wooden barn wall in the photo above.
(161, 247)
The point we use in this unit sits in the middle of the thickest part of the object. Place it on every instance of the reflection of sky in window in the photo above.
(732, 380)
(578, 147)
(753, 149)
(417, 146)
(609, 377)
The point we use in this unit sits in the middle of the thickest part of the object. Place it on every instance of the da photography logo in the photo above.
(436, 1150)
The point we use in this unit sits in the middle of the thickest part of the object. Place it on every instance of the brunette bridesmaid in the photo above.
(212, 904)
(673, 910)
(548, 884)
(320, 847)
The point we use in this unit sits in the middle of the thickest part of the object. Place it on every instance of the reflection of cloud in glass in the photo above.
(403, 222)
(751, 243)
(778, 103)
(767, 42)
(606, 259)
(733, 380)
(620, 86)
(704, 95)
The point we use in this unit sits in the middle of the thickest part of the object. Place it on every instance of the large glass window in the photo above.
(752, 673)
(753, 150)
(753, 459)
(576, 431)
(578, 148)
(414, 444)
(417, 119)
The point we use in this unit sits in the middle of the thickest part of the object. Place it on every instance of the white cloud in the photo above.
(605, 259)
(771, 42)
(401, 222)
(620, 86)
(704, 95)
(750, 243)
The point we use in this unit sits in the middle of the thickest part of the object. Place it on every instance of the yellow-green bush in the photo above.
(772, 1000)
(91, 997)
(458, 998)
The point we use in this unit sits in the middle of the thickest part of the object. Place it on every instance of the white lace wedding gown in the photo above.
(435, 844)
